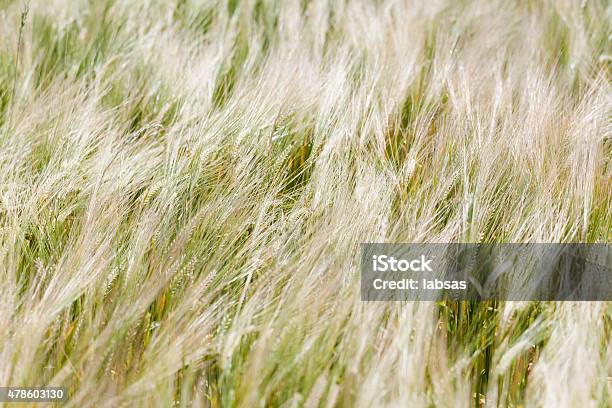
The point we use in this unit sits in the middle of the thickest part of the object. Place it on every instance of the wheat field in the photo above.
(184, 186)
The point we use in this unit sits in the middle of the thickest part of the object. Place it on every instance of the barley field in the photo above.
(184, 186)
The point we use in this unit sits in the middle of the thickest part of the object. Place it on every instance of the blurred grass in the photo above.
(193, 239)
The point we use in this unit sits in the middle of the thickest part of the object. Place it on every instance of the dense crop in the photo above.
(184, 186)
